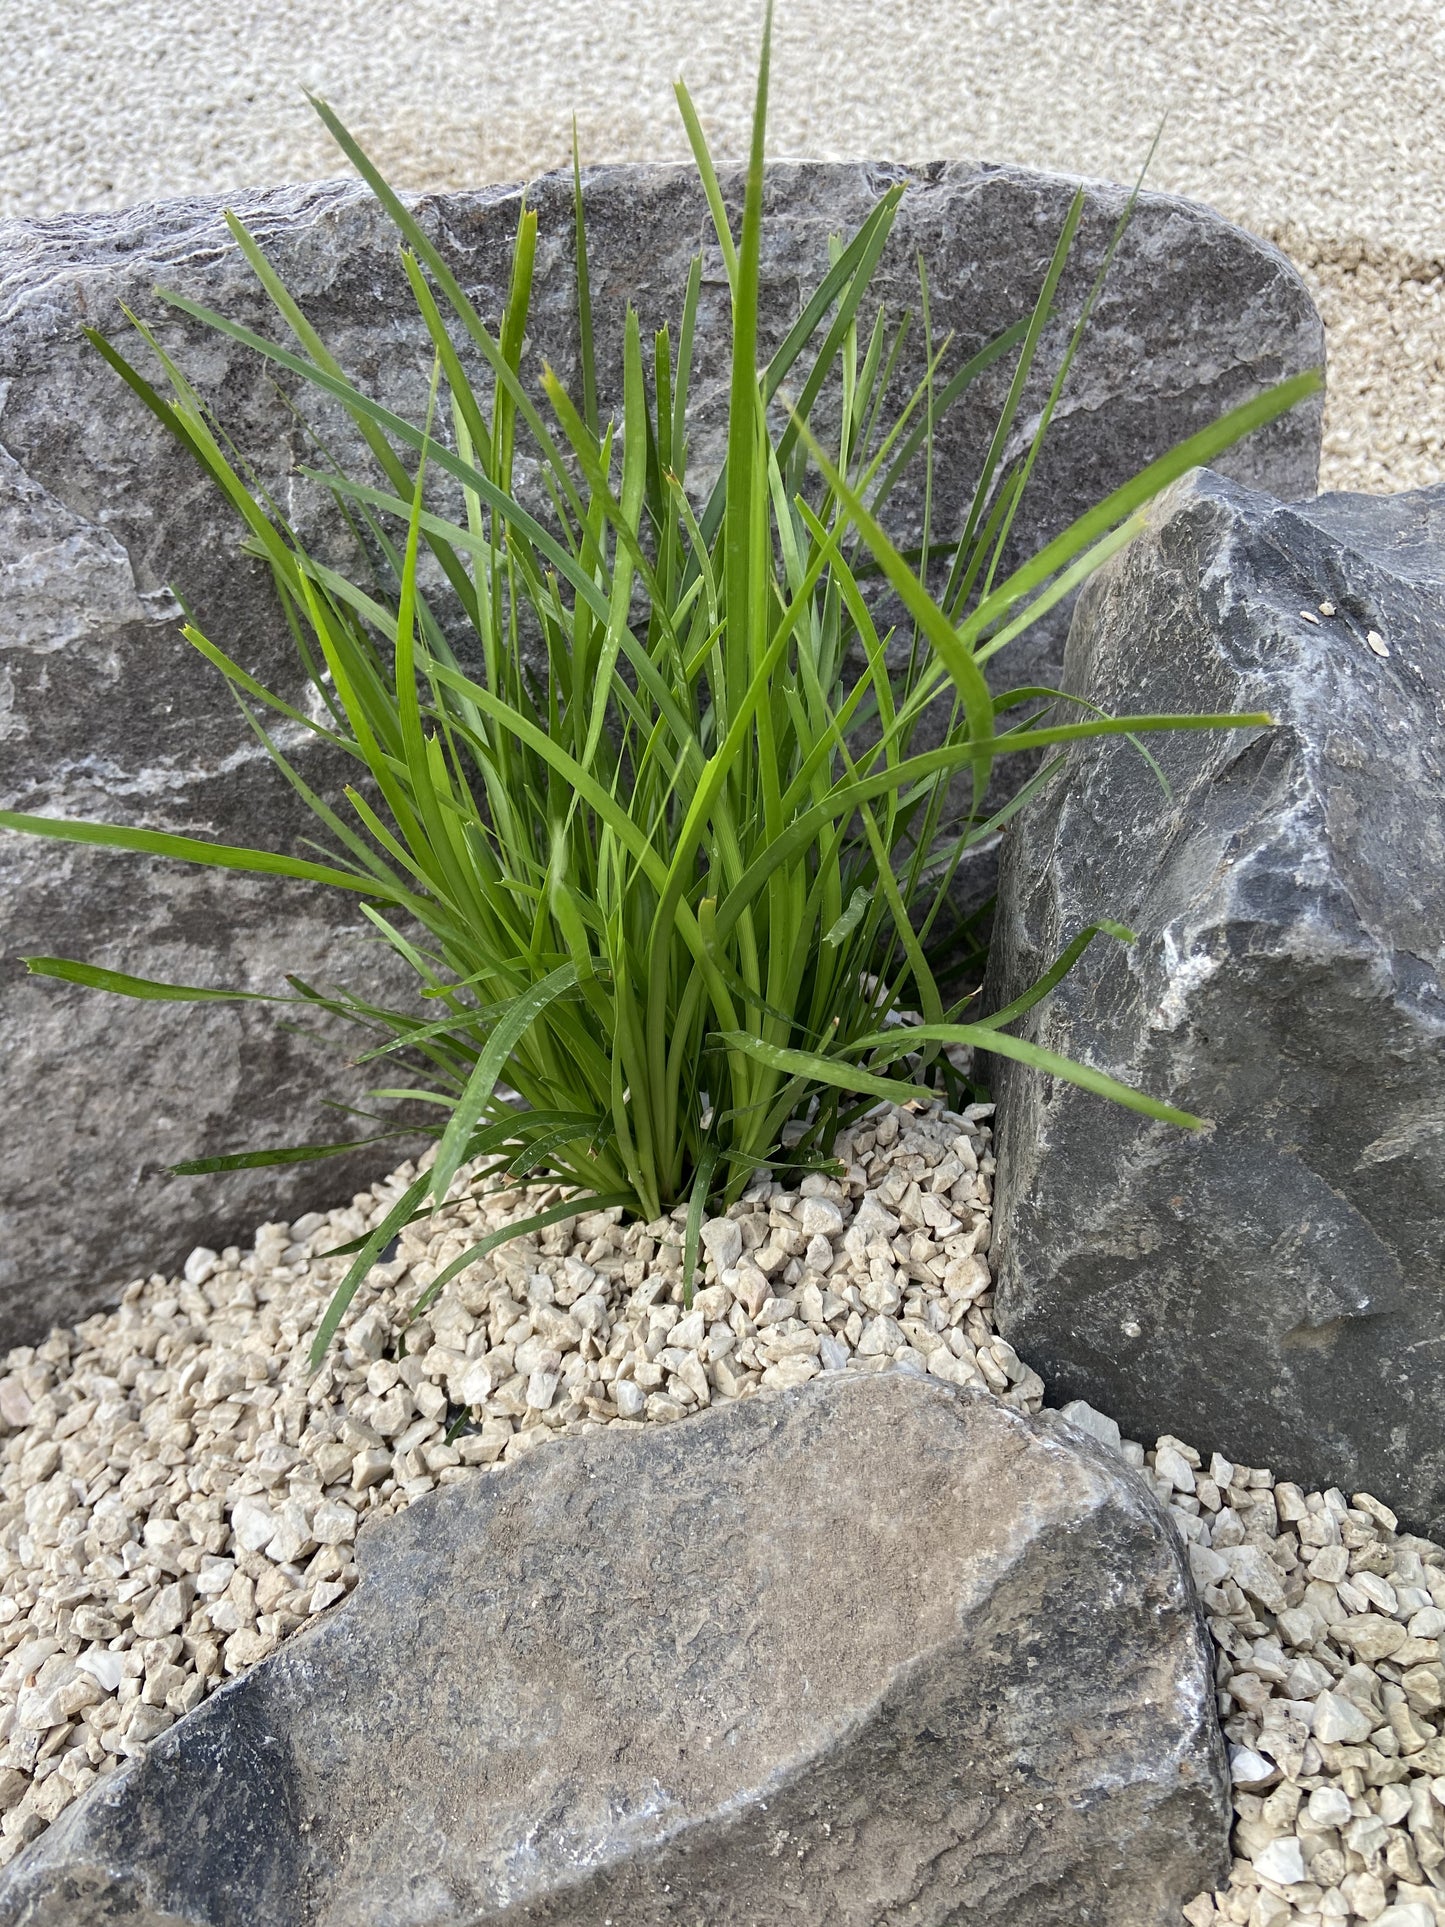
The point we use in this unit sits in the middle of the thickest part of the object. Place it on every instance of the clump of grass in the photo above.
(637, 791)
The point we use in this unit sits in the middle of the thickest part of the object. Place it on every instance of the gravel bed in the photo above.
(1326, 1622)
(179, 1493)
(1384, 316)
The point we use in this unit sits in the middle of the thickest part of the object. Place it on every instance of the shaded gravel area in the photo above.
(179, 1494)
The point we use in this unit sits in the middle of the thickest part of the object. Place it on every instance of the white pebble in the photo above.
(953, 1371)
(1281, 1860)
(202, 1264)
(370, 1466)
(542, 1388)
(293, 1539)
(16, 1408)
(880, 1336)
(1339, 1720)
(105, 1668)
(334, 1523)
(723, 1241)
(1171, 1465)
(820, 1218)
(1249, 1769)
(795, 1369)
(474, 1387)
(214, 1577)
(1102, 1427)
(253, 1523)
(1329, 1806)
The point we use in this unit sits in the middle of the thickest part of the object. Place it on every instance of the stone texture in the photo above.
(864, 1652)
(105, 712)
(1271, 1285)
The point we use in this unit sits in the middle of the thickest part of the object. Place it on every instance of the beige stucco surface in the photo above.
(1317, 124)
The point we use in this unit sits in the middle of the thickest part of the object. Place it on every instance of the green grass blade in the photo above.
(421, 244)
(956, 656)
(812, 1067)
(981, 1037)
(291, 1154)
(707, 174)
(506, 1034)
(521, 1228)
(692, 1231)
(145, 988)
(1055, 974)
(739, 572)
(585, 345)
(1196, 451)
(852, 1077)
(400, 1214)
(186, 849)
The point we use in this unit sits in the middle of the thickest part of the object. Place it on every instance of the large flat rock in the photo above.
(868, 1652)
(105, 712)
(1272, 1286)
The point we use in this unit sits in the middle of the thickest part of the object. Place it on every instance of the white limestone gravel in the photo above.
(1326, 1622)
(178, 1493)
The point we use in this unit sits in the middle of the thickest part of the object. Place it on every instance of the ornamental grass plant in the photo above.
(634, 783)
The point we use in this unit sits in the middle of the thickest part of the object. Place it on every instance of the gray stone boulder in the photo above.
(105, 712)
(1271, 1286)
(867, 1651)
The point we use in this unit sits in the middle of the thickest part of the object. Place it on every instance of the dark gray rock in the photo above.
(867, 1652)
(1271, 1286)
(105, 712)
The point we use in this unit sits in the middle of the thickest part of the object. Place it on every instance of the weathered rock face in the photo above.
(105, 712)
(868, 1650)
(1271, 1285)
